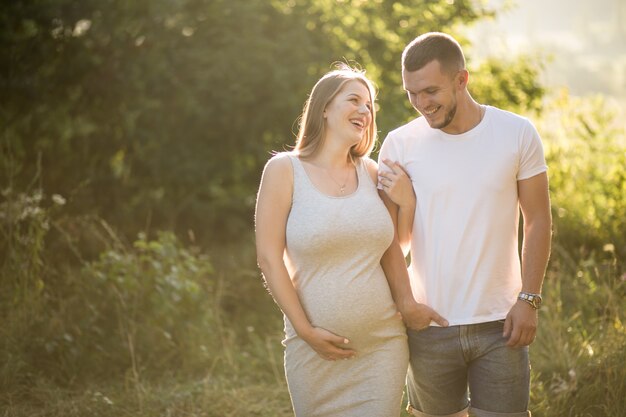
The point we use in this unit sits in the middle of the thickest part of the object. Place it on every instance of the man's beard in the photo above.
(447, 119)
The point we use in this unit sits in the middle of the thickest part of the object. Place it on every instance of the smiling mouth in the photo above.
(358, 123)
(431, 111)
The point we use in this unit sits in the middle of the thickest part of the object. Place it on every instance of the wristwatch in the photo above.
(533, 299)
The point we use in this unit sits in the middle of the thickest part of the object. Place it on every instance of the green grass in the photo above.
(578, 359)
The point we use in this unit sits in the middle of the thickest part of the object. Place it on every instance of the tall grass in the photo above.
(149, 328)
(580, 354)
(233, 366)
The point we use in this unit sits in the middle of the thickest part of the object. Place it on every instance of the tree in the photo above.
(160, 114)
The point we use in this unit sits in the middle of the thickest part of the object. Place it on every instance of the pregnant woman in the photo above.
(321, 231)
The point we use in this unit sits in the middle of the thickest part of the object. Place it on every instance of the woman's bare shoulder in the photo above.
(372, 168)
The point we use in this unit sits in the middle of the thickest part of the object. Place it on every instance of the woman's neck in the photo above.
(332, 157)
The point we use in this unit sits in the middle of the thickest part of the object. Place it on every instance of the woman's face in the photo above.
(349, 114)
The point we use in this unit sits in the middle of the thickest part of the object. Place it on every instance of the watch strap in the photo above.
(533, 299)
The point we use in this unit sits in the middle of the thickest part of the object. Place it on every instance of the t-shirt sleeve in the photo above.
(388, 150)
(532, 160)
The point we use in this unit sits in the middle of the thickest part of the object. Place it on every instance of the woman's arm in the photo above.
(398, 187)
(272, 210)
(416, 316)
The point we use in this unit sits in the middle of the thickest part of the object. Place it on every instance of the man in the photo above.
(473, 167)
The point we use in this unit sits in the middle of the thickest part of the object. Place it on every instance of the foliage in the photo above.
(102, 341)
(145, 304)
(585, 150)
(141, 309)
(147, 113)
(120, 119)
(158, 115)
(511, 85)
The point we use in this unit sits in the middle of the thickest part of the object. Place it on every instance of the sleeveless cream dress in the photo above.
(333, 251)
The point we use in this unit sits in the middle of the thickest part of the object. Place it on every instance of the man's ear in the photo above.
(462, 78)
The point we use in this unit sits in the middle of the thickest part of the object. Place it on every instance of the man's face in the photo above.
(433, 93)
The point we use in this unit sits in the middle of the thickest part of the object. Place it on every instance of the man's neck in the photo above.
(468, 115)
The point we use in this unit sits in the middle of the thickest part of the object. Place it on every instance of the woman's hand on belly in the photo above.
(327, 344)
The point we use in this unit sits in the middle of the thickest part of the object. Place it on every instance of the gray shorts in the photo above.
(447, 361)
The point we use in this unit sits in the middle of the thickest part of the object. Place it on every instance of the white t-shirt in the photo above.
(464, 247)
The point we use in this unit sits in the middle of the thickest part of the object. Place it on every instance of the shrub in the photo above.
(147, 309)
(586, 153)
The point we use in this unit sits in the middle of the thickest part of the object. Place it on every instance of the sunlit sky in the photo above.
(582, 43)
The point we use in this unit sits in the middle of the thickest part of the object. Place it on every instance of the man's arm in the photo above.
(521, 322)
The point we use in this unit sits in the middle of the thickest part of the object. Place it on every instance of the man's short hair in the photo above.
(433, 46)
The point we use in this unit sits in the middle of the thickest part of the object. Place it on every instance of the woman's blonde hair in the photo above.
(312, 132)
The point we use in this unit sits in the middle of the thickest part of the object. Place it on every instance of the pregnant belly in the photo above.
(352, 309)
